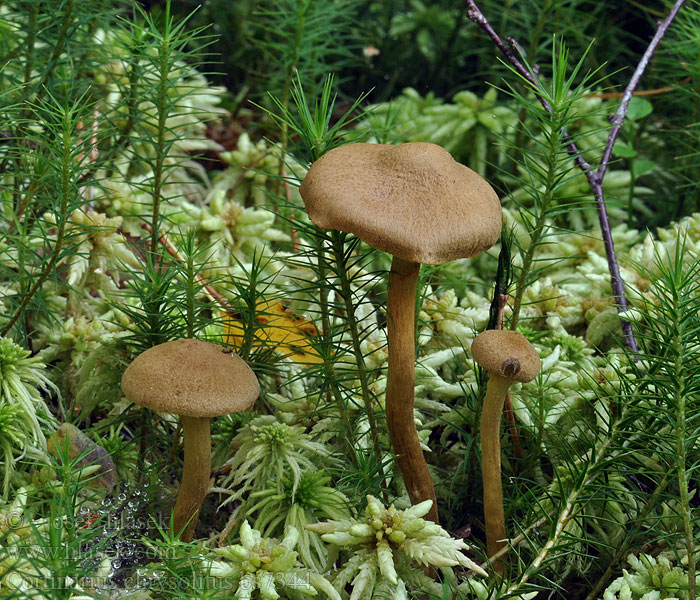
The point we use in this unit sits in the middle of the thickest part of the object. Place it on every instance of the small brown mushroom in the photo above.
(196, 380)
(417, 203)
(508, 357)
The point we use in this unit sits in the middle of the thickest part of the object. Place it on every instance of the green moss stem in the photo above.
(681, 454)
(542, 208)
(624, 548)
(62, 215)
(66, 21)
(299, 29)
(339, 254)
(164, 60)
(326, 335)
(30, 44)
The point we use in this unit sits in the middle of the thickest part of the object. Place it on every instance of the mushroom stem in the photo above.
(494, 515)
(195, 476)
(401, 307)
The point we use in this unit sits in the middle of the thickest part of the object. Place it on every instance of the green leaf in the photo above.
(639, 108)
(426, 44)
(604, 324)
(642, 167)
(623, 150)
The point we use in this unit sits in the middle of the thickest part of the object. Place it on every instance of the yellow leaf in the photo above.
(279, 329)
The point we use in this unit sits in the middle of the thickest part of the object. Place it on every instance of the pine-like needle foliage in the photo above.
(342, 265)
(666, 408)
(312, 37)
(545, 165)
(47, 55)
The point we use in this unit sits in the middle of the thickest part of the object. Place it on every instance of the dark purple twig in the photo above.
(619, 116)
(595, 177)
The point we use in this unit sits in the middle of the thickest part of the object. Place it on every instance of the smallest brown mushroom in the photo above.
(508, 357)
(196, 380)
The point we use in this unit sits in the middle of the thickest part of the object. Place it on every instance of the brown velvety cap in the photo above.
(413, 201)
(192, 378)
(507, 354)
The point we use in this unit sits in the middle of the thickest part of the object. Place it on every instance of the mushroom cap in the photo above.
(507, 354)
(191, 378)
(413, 200)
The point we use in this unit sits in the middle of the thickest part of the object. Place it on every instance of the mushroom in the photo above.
(417, 203)
(196, 380)
(508, 357)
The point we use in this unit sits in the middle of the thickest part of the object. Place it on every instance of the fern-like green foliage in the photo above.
(269, 454)
(25, 419)
(668, 386)
(546, 166)
(48, 545)
(312, 37)
(386, 544)
(43, 180)
(344, 267)
(46, 105)
(93, 116)
(261, 567)
(678, 61)
(161, 110)
(650, 577)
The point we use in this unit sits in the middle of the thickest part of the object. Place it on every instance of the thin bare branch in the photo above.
(619, 116)
(595, 177)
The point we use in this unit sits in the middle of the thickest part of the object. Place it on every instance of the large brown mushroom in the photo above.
(417, 203)
(196, 380)
(509, 358)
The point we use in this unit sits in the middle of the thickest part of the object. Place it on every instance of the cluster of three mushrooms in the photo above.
(413, 201)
